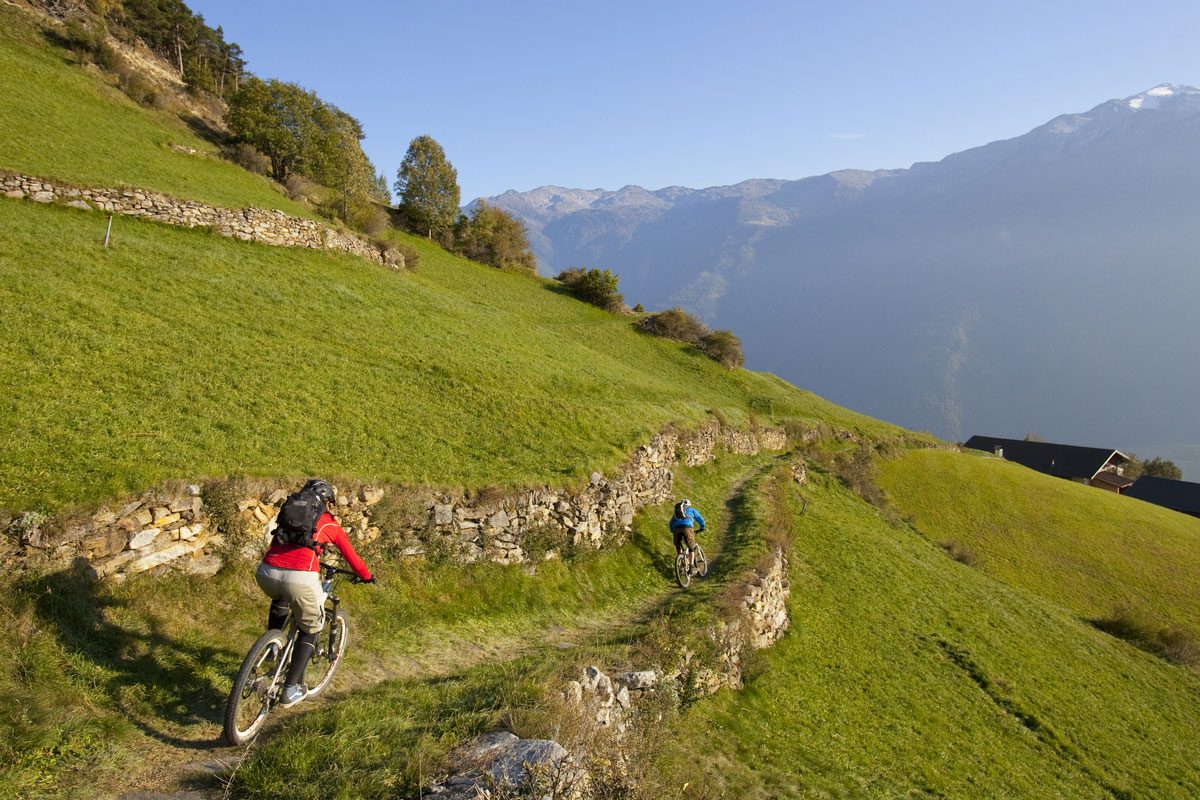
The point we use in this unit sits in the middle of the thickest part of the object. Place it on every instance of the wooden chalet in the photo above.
(1094, 466)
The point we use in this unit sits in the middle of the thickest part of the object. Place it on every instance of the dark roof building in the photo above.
(1062, 460)
(1111, 481)
(1182, 496)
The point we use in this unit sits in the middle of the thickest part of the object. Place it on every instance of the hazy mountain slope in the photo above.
(1038, 283)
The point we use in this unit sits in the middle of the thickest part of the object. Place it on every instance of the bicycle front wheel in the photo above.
(683, 575)
(250, 698)
(701, 562)
(331, 646)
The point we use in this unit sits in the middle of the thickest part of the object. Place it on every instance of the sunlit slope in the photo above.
(1088, 550)
(178, 354)
(907, 674)
(60, 121)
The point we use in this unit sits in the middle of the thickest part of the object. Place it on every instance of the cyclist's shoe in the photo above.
(293, 694)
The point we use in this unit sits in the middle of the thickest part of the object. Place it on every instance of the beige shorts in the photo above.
(299, 587)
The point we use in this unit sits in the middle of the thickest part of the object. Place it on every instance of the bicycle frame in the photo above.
(332, 602)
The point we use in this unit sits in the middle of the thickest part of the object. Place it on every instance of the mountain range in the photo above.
(1045, 283)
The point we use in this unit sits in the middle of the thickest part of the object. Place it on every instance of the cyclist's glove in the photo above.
(365, 580)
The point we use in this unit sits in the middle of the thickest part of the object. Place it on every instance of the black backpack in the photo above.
(677, 514)
(296, 522)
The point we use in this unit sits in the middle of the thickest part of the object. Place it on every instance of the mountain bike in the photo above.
(258, 686)
(684, 569)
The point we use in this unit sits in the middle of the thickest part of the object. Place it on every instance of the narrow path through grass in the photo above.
(121, 686)
(383, 742)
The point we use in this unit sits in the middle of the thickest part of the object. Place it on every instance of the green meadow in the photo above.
(180, 354)
(1095, 553)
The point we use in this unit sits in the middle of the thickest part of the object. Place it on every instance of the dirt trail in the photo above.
(189, 763)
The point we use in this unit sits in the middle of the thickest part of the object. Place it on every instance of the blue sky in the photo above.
(600, 95)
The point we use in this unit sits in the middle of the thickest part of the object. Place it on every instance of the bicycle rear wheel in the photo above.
(701, 562)
(331, 646)
(683, 575)
(250, 698)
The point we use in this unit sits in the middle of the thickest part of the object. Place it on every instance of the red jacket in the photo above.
(293, 556)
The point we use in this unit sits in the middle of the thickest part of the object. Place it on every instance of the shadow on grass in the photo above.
(156, 680)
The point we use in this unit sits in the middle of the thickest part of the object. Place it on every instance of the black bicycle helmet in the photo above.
(323, 489)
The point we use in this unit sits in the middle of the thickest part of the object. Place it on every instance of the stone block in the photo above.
(646, 679)
(111, 565)
(206, 565)
(166, 520)
(82, 205)
(143, 517)
(107, 543)
(164, 556)
(43, 197)
(14, 194)
(107, 518)
(128, 508)
(144, 538)
(371, 496)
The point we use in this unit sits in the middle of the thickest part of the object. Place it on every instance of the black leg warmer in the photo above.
(306, 643)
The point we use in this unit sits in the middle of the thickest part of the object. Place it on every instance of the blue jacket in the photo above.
(686, 521)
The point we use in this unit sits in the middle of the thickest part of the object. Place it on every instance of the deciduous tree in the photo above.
(427, 185)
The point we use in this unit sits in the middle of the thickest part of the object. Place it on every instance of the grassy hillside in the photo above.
(907, 674)
(1090, 551)
(179, 354)
(61, 121)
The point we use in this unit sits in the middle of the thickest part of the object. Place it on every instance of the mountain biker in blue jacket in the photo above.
(684, 521)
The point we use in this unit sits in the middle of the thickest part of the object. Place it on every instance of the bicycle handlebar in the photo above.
(331, 570)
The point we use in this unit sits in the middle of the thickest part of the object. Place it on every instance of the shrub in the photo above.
(675, 324)
(372, 221)
(493, 236)
(80, 39)
(296, 186)
(248, 158)
(595, 286)
(537, 542)
(724, 347)
(140, 90)
(961, 553)
(409, 254)
(639, 309)
(1173, 644)
(107, 57)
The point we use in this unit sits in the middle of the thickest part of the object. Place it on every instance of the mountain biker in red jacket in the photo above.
(290, 575)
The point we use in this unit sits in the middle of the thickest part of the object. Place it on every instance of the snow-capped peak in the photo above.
(1152, 98)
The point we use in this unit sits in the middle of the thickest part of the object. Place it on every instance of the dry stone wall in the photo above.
(611, 703)
(248, 224)
(187, 527)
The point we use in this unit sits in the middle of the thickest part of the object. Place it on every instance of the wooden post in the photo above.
(108, 230)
